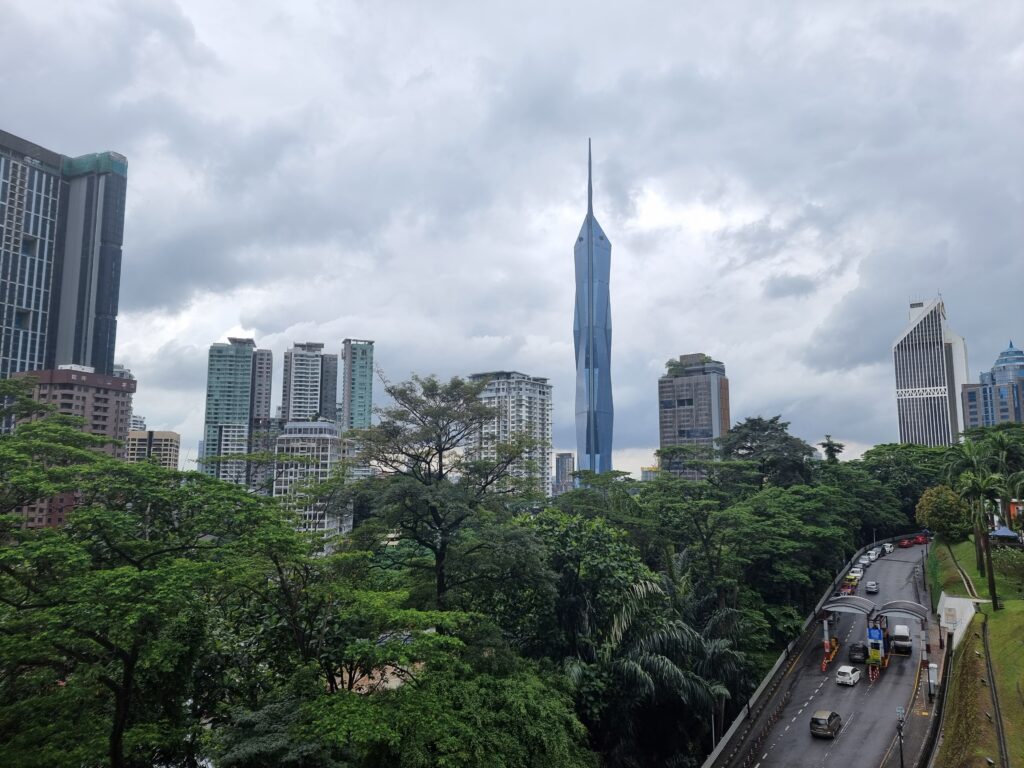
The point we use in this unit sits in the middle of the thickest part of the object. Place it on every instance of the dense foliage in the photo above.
(179, 621)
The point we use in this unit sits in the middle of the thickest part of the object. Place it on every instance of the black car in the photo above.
(858, 653)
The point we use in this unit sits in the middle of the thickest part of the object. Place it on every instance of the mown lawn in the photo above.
(949, 577)
(969, 737)
(1006, 641)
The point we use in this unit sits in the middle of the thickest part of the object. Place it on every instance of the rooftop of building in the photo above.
(506, 376)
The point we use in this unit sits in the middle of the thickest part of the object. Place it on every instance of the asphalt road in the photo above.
(868, 709)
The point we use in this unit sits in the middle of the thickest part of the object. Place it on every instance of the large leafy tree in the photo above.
(943, 510)
(107, 614)
(435, 488)
(906, 470)
(781, 458)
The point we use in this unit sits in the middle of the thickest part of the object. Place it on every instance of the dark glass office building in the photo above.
(61, 230)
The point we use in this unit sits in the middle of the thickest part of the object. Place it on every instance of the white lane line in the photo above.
(794, 719)
(788, 727)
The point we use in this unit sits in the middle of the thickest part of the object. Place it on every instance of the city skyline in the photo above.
(777, 190)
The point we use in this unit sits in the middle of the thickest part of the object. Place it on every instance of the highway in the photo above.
(868, 709)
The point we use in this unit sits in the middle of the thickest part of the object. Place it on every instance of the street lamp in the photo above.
(900, 715)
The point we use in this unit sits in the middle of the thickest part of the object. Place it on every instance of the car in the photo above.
(856, 571)
(847, 675)
(920, 539)
(888, 548)
(864, 561)
(848, 589)
(858, 653)
(874, 554)
(826, 723)
(905, 544)
(871, 587)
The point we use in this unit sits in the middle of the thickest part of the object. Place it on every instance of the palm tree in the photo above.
(978, 488)
(638, 663)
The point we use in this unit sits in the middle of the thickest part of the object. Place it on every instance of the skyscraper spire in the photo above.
(592, 339)
(590, 182)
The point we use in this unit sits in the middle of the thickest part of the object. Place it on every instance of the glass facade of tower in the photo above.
(357, 388)
(232, 378)
(61, 228)
(999, 396)
(592, 339)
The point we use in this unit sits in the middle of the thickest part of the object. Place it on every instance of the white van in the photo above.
(901, 641)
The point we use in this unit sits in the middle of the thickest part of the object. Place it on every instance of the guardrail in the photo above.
(736, 737)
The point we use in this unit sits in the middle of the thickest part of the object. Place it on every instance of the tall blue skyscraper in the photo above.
(592, 337)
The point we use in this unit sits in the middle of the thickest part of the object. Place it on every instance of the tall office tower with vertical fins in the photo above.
(931, 369)
(61, 229)
(592, 338)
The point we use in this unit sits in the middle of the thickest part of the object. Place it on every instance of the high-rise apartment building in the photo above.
(232, 379)
(357, 385)
(309, 384)
(308, 452)
(137, 423)
(101, 400)
(149, 445)
(931, 369)
(522, 406)
(61, 230)
(998, 398)
(565, 465)
(693, 406)
(592, 339)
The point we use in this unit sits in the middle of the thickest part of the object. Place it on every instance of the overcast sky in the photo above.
(778, 181)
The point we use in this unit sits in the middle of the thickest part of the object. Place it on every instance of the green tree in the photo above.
(434, 489)
(832, 449)
(906, 470)
(107, 614)
(979, 488)
(781, 458)
(943, 510)
(458, 716)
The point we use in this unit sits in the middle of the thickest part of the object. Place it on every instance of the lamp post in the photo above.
(900, 714)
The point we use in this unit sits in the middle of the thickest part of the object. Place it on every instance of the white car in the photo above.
(873, 555)
(847, 675)
(871, 587)
(864, 561)
(889, 548)
(857, 571)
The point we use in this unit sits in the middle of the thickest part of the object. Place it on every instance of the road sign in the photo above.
(874, 633)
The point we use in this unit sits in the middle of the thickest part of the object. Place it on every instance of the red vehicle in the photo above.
(920, 539)
(905, 544)
(847, 589)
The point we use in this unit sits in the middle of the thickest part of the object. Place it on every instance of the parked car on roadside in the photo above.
(864, 561)
(857, 572)
(920, 539)
(905, 543)
(888, 548)
(825, 723)
(847, 675)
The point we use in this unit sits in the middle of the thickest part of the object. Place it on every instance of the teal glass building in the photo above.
(592, 339)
